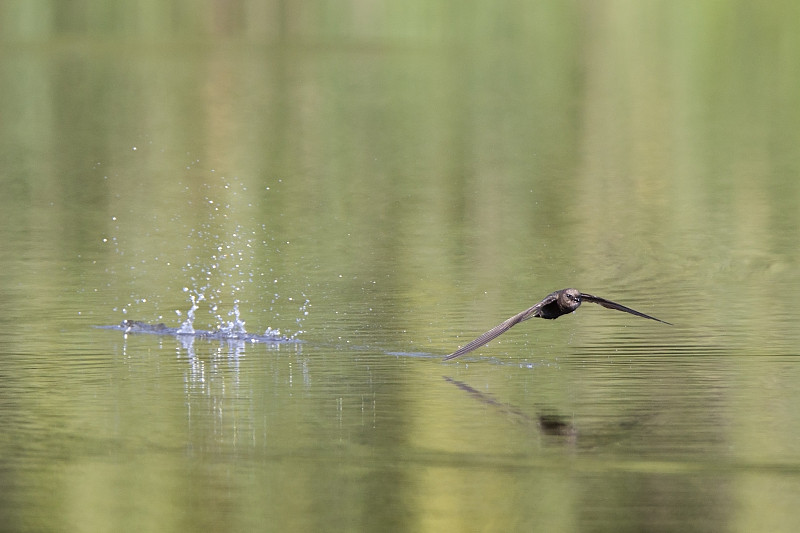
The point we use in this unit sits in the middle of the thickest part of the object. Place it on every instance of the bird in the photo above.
(553, 306)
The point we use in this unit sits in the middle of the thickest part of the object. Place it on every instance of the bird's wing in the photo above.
(501, 328)
(614, 305)
(488, 336)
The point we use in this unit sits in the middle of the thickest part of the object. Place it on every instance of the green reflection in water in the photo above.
(418, 172)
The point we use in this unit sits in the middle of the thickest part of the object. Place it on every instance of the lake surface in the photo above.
(385, 183)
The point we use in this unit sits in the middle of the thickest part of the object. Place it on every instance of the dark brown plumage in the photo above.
(553, 306)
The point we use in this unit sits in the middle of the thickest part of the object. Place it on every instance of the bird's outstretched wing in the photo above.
(501, 328)
(619, 307)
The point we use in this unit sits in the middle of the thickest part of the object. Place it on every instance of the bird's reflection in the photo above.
(547, 423)
(560, 427)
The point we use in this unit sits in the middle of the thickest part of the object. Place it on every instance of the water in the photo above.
(384, 186)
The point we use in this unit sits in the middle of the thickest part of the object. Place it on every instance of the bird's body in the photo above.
(553, 306)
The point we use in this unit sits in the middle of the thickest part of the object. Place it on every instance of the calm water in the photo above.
(391, 182)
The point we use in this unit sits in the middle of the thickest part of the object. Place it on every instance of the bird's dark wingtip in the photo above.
(656, 319)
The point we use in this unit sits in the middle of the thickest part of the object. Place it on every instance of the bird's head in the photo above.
(570, 299)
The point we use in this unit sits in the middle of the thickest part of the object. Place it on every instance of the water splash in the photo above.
(235, 327)
(218, 260)
(187, 326)
(303, 314)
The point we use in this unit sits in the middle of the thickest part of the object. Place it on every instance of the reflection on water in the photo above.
(548, 424)
(417, 174)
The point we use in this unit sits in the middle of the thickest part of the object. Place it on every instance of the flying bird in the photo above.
(553, 306)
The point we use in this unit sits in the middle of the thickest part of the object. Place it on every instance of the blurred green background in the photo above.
(409, 174)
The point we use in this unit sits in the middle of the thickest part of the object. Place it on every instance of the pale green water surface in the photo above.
(393, 181)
